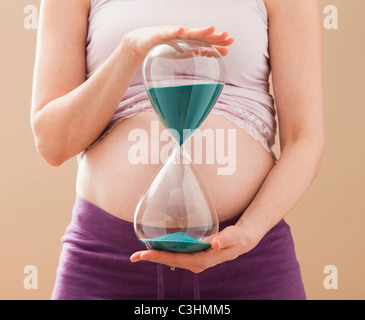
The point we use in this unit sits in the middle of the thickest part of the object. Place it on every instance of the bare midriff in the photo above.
(110, 179)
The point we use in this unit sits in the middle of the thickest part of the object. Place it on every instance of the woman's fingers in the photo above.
(135, 256)
(225, 246)
(206, 34)
(140, 41)
(228, 237)
(222, 50)
(195, 262)
(164, 257)
(198, 33)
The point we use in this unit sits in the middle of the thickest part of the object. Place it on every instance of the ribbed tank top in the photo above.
(245, 99)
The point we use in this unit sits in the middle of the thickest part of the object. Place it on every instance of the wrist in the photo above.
(126, 48)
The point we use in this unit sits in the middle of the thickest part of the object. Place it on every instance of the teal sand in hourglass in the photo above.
(176, 212)
(184, 107)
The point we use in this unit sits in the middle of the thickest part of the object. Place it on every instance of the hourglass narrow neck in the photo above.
(180, 156)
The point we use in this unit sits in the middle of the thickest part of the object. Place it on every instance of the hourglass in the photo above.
(183, 79)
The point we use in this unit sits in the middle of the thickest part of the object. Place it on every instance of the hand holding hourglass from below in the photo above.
(227, 245)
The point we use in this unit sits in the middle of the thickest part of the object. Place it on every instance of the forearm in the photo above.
(284, 186)
(68, 114)
(67, 125)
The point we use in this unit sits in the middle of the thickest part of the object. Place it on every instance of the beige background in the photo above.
(328, 224)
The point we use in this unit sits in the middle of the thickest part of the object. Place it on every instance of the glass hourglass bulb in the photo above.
(183, 80)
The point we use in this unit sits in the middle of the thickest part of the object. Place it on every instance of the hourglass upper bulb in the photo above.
(183, 79)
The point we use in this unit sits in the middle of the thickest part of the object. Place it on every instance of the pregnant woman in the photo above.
(88, 96)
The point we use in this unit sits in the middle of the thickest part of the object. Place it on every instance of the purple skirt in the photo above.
(94, 264)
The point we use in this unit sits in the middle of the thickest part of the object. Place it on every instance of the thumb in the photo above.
(226, 238)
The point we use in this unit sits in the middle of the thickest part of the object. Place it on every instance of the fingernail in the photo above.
(134, 258)
(217, 243)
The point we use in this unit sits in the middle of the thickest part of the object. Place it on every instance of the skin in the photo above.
(69, 113)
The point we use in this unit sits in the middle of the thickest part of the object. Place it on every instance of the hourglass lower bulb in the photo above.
(183, 80)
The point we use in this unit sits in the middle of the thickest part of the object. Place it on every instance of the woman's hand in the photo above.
(141, 40)
(225, 246)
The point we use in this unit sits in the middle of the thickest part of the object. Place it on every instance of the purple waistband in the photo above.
(109, 228)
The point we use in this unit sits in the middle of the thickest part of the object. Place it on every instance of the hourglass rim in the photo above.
(196, 43)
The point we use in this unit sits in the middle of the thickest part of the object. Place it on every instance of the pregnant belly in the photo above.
(116, 171)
